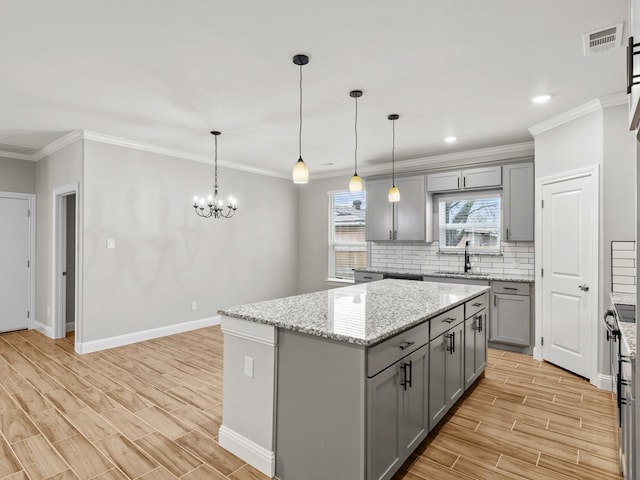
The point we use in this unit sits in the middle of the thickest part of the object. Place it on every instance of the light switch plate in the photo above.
(111, 243)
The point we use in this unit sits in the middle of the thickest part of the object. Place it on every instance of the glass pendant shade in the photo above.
(394, 194)
(356, 184)
(300, 172)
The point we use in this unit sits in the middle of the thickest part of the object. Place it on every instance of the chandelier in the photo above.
(213, 206)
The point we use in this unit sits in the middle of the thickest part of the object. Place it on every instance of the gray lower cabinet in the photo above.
(510, 314)
(475, 346)
(397, 413)
(446, 371)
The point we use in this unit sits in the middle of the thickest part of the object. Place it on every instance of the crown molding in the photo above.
(595, 105)
(478, 156)
(58, 144)
(15, 156)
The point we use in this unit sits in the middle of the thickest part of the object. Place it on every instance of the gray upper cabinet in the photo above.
(517, 202)
(404, 220)
(472, 178)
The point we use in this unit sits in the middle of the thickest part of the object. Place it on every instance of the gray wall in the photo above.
(599, 138)
(59, 169)
(166, 257)
(313, 232)
(17, 175)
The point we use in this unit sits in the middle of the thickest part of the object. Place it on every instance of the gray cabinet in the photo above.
(403, 220)
(446, 367)
(510, 314)
(397, 414)
(475, 346)
(482, 177)
(517, 202)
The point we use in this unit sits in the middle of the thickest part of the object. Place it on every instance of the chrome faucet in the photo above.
(467, 258)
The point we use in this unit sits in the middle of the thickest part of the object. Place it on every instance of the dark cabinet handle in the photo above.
(479, 325)
(511, 288)
(477, 304)
(406, 379)
(367, 278)
(464, 181)
(507, 234)
(390, 235)
(405, 345)
(451, 348)
(494, 300)
(448, 320)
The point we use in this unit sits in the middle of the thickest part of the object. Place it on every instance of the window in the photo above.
(347, 246)
(473, 217)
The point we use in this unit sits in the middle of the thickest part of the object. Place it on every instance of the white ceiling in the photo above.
(166, 72)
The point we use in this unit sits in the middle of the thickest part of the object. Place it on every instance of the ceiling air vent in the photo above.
(602, 39)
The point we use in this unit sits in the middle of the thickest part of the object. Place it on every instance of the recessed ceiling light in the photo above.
(544, 98)
(450, 139)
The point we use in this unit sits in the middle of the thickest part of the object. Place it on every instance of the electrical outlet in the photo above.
(248, 367)
(194, 306)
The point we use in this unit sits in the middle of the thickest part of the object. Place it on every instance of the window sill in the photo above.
(472, 253)
(339, 282)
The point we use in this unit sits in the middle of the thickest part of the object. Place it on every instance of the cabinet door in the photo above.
(379, 211)
(454, 365)
(383, 445)
(410, 210)
(481, 341)
(415, 400)
(510, 322)
(470, 372)
(437, 380)
(517, 202)
(482, 177)
(440, 182)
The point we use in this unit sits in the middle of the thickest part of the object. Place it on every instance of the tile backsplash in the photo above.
(623, 266)
(517, 258)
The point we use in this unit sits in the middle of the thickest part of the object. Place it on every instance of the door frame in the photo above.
(592, 172)
(31, 293)
(58, 320)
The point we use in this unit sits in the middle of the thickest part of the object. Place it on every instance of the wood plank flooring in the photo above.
(151, 411)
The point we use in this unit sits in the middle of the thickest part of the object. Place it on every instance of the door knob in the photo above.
(584, 287)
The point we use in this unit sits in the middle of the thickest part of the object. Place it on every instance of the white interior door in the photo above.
(569, 246)
(14, 268)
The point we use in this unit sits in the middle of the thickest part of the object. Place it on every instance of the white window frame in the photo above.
(331, 244)
(465, 196)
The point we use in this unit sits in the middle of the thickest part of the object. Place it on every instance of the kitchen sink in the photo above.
(444, 272)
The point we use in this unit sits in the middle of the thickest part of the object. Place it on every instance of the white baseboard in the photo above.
(249, 451)
(604, 382)
(42, 328)
(70, 326)
(129, 338)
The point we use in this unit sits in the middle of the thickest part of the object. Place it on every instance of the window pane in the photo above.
(476, 220)
(347, 246)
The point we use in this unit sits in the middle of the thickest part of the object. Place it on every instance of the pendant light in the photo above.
(394, 193)
(300, 169)
(355, 184)
(213, 206)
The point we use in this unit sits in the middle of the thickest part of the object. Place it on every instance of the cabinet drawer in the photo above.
(474, 305)
(445, 321)
(389, 351)
(367, 276)
(511, 288)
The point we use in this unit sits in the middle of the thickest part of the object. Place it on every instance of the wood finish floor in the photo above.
(151, 411)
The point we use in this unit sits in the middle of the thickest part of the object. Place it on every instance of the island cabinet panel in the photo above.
(397, 406)
(446, 370)
(320, 414)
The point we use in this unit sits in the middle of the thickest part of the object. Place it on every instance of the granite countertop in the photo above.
(362, 314)
(629, 330)
(492, 277)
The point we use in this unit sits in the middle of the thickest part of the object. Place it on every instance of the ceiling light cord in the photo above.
(300, 131)
(355, 153)
(215, 156)
(393, 152)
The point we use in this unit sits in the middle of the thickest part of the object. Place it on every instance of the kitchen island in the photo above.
(346, 383)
